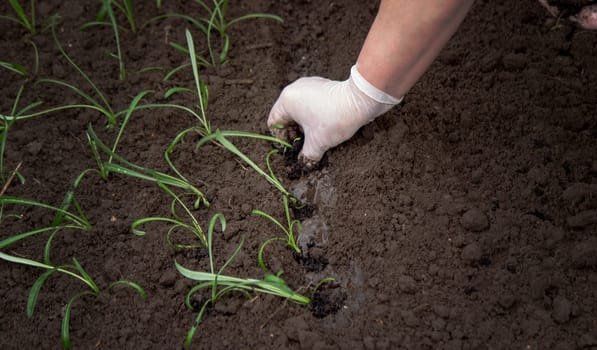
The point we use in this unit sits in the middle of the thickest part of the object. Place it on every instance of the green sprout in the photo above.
(28, 22)
(5, 124)
(288, 228)
(75, 270)
(107, 10)
(101, 104)
(120, 165)
(215, 22)
(176, 222)
(221, 285)
(15, 68)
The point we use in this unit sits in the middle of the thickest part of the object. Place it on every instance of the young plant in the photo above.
(221, 285)
(64, 220)
(124, 6)
(100, 104)
(27, 21)
(215, 22)
(5, 124)
(107, 10)
(120, 165)
(176, 222)
(288, 227)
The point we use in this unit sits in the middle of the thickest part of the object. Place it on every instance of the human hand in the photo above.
(328, 112)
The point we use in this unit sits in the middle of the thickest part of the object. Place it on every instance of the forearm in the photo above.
(405, 38)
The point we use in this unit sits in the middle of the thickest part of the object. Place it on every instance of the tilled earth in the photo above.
(466, 218)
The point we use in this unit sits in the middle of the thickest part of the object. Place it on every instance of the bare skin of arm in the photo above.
(405, 38)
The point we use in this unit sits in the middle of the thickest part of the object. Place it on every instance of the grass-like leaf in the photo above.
(34, 291)
(23, 19)
(15, 68)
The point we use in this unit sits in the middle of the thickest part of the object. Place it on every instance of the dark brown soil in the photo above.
(464, 219)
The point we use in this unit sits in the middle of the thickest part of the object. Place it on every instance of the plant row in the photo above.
(70, 216)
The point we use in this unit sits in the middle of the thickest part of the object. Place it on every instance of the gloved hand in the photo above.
(329, 112)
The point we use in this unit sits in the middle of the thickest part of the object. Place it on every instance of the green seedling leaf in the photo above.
(34, 292)
(11, 240)
(225, 49)
(175, 70)
(94, 24)
(18, 9)
(86, 276)
(48, 246)
(150, 69)
(130, 16)
(193, 330)
(130, 284)
(200, 89)
(29, 262)
(76, 221)
(260, 260)
(29, 107)
(105, 107)
(179, 47)
(174, 90)
(15, 67)
(65, 332)
(127, 116)
(139, 222)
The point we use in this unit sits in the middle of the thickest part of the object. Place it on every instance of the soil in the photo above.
(463, 219)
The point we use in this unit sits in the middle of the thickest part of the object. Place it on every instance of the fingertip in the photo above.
(311, 154)
(276, 115)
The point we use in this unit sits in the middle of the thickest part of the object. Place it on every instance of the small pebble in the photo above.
(168, 278)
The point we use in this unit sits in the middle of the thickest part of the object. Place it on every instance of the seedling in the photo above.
(98, 103)
(215, 21)
(221, 285)
(107, 10)
(6, 124)
(68, 221)
(27, 21)
(175, 221)
(218, 137)
(101, 104)
(121, 166)
(288, 228)
(19, 68)
(124, 167)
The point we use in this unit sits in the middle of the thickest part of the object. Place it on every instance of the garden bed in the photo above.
(465, 218)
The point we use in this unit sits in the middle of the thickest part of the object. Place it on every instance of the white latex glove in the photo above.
(329, 112)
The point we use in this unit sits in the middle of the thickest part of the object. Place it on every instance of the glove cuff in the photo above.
(368, 89)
